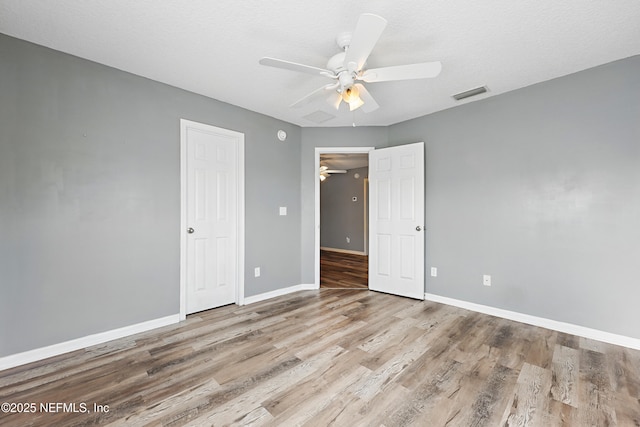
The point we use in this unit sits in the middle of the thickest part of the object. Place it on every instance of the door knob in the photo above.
(418, 228)
(190, 230)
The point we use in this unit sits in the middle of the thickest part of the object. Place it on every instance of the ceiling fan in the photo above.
(325, 172)
(347, 68)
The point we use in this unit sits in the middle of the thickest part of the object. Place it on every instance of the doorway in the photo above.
(341, 249)
(344, 257)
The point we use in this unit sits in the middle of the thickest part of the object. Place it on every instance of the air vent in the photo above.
(319, 117)
(470, 93)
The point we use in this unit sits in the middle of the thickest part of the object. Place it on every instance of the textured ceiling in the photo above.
(213, 47)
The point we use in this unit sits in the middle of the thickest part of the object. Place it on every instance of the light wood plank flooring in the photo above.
(343, 271)
(337, 357)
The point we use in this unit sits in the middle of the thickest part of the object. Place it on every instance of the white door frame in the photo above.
(239, 299)
(318, 152)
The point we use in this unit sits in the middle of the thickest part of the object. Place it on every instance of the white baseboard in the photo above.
(342, 251)
(18, 359)
(278, 292)
(555, 325)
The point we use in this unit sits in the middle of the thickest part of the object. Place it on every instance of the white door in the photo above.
(396, 216)
(211, 215)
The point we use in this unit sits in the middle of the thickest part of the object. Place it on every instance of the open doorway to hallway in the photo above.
(343, 220)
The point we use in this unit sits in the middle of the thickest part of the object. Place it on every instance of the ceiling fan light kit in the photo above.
(352, 97)
(347, 68)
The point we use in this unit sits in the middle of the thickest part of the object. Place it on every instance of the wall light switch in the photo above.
(486, 280)
(256, 272)
(434, 272)
(283, 210)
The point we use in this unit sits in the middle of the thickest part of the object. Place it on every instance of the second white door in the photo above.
(211, 217)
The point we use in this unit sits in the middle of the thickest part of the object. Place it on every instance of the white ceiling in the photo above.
(213, 47)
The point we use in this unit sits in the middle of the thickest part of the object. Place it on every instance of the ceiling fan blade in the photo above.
(423, 70)
(370, 104)
(364, 38)
(294, 66)
(313, 96)
(334, 99)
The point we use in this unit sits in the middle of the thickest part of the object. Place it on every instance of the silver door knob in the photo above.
(190, 230)
(418, 228)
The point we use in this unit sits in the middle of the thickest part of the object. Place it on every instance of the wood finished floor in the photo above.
(337, 357)
(343, 271)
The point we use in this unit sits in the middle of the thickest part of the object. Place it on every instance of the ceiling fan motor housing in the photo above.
(336, 62)
(345, 79)
(345, 76)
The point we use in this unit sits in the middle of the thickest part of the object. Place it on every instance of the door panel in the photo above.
(396, 183)
(383, 256)
(211, 216)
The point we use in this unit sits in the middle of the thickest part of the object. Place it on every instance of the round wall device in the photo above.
(282, 135)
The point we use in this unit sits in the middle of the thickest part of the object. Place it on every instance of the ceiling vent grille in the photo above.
(470, 93)
(319, 117)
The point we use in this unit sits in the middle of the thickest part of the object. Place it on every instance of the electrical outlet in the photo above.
(348, 240)
(434, 272)
(256, 272)
(486, 280)
(283, 210)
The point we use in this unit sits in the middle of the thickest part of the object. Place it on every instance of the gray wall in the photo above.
(340, 216)
(540, 188)
(313, 138)
(90, 200)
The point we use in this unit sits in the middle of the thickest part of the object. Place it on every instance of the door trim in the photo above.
(316, 245)
(239, 292)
